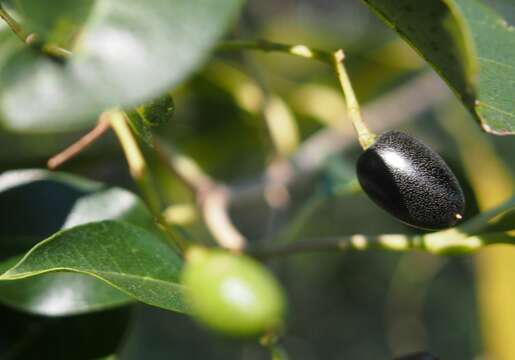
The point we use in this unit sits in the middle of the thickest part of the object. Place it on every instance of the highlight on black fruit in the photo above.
(411, 181)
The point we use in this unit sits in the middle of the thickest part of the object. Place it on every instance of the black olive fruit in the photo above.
(232, 294)
(418, 356)
(411, 181)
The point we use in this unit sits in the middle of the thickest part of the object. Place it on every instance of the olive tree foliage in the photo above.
(97, 65)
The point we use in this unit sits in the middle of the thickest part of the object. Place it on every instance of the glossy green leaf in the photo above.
(126, 53)
(35, 204)
(470, 45)
(61, 294)
(124, 256)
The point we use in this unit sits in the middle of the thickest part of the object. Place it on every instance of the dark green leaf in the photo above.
(35, 204)
(125, 256)
(128, 52)
(470, 45)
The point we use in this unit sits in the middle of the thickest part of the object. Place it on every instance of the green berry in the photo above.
(232, 294)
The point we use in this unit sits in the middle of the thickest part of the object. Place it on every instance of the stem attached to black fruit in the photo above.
(365, 136)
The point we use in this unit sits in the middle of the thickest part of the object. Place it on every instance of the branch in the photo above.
(302, 51)
(444, 243)
(462, 239)
(211, 196)
(76, 148)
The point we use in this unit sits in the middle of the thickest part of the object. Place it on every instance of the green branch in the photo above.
(451, 243)
(302, 51)
(469, 237)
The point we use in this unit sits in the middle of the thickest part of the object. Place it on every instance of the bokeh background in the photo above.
(353, 305)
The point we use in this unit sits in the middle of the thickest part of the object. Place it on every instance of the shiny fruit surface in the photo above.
(411, 181)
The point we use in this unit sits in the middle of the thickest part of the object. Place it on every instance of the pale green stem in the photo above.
(269, 46)
(436, 243)
(468, 237)
(139, 172)
(365, 136)
(135, 159)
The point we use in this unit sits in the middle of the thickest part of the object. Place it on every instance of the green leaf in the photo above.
(124, 256)
(470, 45)
(127, 52)
(61, 294)
(49, 202)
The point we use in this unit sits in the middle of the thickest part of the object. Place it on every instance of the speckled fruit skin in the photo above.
(412, 182)
(233, 294)
(418, 356)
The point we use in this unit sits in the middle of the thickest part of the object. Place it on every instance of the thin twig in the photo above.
(212, 197)
(77, 147)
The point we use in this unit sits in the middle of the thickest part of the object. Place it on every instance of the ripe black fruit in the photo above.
(418, 356)
(411, 181)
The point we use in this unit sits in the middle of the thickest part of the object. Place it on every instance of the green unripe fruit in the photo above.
(232, 294)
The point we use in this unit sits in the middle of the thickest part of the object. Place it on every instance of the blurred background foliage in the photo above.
(354, 305)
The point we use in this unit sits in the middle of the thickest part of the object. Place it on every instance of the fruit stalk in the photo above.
(365, 136)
